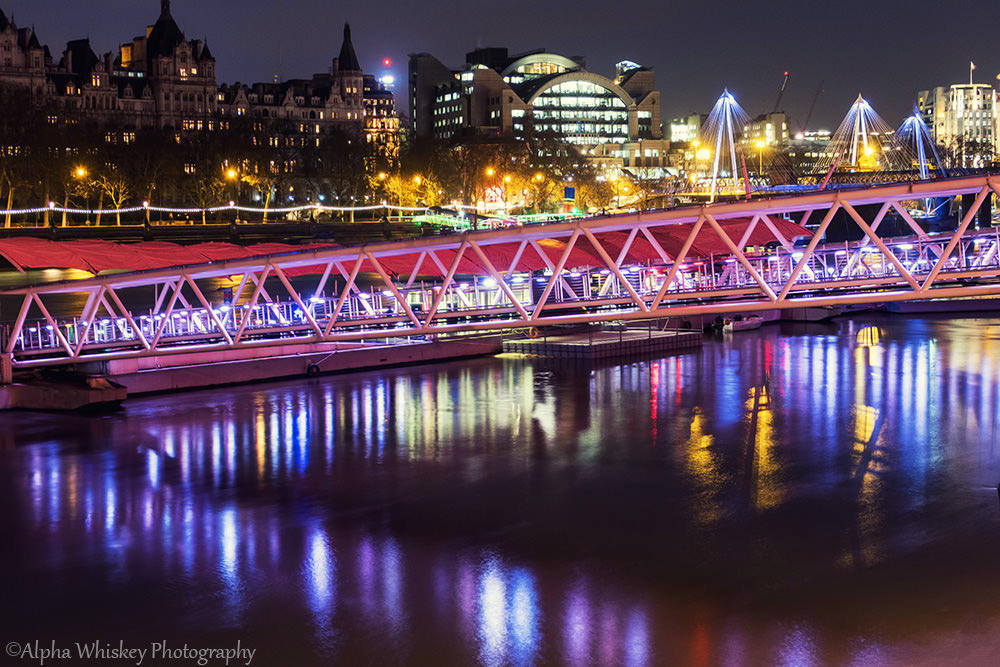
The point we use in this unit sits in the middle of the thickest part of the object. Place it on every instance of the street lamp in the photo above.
(80, 173)
(760, 156)
(231, 176)
(537, 180)
(490, 172)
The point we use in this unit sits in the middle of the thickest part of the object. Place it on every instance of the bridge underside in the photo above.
(701, 260)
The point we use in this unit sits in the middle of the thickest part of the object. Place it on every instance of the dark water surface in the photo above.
(810, 495)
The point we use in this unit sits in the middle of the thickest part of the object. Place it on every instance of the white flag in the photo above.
(972, 65)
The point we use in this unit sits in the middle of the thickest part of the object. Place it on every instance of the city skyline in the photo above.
(830, 57)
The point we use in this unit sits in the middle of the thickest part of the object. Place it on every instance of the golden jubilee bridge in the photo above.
(202, 304)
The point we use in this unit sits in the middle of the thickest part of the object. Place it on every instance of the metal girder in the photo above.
(808, 252)
(969, 215)
(614, 267)
(678, 261)
(740, 257)
(504, 288)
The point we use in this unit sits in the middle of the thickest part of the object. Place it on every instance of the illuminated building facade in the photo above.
(159, 79)
(177, 74)
(382, 129)
(767, 129)
(809, 152)
(162, 79)
(499, 94)
(23, 60)
(963, 120)
(613, 123)
(686, 129)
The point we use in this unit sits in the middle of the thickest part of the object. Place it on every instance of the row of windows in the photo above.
(575, 114)
(307, 115)
(977, 122)
(124, 137)
(579, 102)
(584, 128)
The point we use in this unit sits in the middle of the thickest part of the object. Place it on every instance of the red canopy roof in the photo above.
(96, 256)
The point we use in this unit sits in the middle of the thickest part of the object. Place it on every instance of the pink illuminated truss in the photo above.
(700, 260)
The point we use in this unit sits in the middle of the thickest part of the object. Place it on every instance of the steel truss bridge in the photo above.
(700, 260)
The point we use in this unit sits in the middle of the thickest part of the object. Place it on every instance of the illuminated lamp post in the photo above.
(760, 156)
(490, 172)
(232, 176)
(538, 180)
(80, 174)
(385, 201)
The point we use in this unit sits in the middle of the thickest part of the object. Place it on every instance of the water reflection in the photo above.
(515, 512)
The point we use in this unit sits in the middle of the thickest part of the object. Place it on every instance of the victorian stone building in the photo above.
(23, 60)
(161, 79)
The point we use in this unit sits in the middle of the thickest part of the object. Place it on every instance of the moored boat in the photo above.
(742, 323)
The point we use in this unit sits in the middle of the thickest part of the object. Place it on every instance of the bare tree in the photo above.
(113, 186)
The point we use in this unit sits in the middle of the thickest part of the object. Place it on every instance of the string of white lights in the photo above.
(53, 207)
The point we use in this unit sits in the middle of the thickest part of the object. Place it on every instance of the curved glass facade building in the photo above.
(499, 94)
(583, 112)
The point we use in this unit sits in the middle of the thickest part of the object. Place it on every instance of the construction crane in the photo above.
(819, 89)
(777, 102)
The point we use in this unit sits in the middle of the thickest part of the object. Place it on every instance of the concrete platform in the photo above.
(111, 382)
(210, 369)
(62, 395)
(599, 344)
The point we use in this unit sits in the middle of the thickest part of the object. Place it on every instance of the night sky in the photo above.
(886, 50)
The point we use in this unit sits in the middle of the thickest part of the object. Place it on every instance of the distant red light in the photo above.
(387, 62)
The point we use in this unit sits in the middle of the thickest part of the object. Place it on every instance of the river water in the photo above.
(820, 494)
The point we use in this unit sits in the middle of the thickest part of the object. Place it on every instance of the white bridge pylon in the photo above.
(714, 259)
